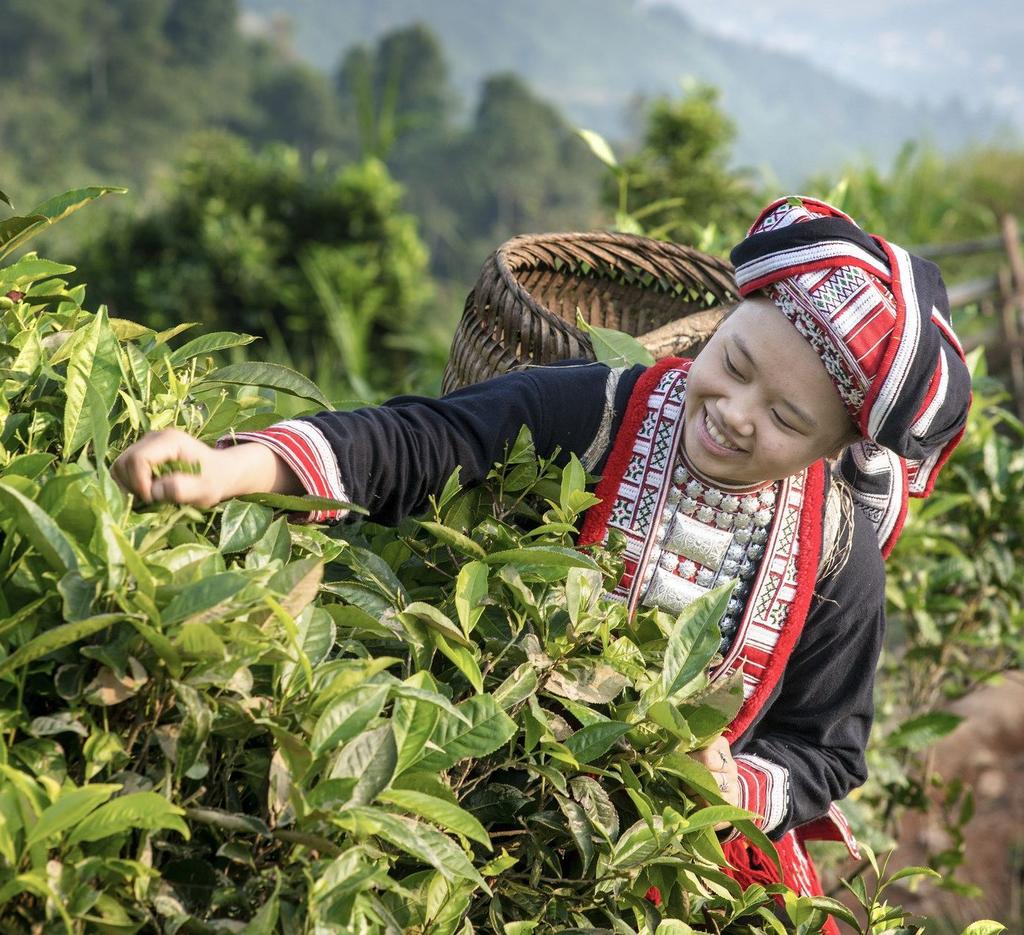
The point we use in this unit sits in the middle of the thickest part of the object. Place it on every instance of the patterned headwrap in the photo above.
(879, 319)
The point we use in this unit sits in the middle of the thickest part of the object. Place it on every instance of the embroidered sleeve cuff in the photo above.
(307, 452)
(764, 790)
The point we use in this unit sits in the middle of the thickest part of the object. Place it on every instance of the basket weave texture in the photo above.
(523, 307)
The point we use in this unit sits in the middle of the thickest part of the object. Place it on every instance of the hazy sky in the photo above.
(911, 49)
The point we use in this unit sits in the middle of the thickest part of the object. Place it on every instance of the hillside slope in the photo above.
(592, 57)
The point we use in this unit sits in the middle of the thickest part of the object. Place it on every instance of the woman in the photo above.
(713, 469)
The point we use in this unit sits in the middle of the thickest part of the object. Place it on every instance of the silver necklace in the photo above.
(706, 536)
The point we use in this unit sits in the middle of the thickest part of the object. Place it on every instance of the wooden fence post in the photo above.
(1012, 289)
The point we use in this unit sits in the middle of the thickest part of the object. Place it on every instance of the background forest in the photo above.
(330, 181)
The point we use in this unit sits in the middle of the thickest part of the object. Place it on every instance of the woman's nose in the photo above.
(734, 412)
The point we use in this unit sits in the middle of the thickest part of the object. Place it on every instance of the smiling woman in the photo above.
(714, 473)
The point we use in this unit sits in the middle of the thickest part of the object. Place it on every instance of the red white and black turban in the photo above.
(879, 319)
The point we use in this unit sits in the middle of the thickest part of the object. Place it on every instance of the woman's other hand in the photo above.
(717, 758)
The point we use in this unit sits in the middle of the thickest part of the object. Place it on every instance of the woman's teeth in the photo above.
(717, 435)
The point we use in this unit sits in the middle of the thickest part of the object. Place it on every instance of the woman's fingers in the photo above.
(134, 469)
(178, 487)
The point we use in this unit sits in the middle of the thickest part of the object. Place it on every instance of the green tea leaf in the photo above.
(923, 730)
(984, 927)
(906, 873)
(272, 376)
(94, 376)
(422, 842)
(147, 810)
(579, 828)
(594, 740)
(519, 686)
(694, 640)
(35, 525)
(437, 621)
(455, 539)
(29, 269)
(413, 723)
(371, 757)
(56, 638)
(241, 524)
(599, 147)
(69, 809)
(203, 595)
(470, 590)
(346, 716)
(15, 231)
(614, 348)
(208, 343)
(488, 729)
(303, 504)
(547, 555)
(463, 658)
(443, 813)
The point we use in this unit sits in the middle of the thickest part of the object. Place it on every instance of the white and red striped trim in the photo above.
(764, 790)
(307, 452)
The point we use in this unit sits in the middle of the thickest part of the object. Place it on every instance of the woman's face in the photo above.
(759, 404)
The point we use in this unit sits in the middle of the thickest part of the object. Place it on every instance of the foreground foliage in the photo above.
(224, 721)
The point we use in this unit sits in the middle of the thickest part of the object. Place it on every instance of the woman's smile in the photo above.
(714, 439)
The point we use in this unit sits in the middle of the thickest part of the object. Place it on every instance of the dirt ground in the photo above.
(987, 752)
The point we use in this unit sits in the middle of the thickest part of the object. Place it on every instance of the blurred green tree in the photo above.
(680, 178)
(321, 262)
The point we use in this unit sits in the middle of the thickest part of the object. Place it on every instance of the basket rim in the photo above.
(509, 263)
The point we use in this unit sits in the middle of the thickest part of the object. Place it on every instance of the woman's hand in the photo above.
(716, 757)
(220, 473)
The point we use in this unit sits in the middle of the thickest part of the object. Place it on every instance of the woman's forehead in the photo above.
(784, 361)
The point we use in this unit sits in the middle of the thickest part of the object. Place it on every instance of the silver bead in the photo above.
(768, 497)
(688, 506)
(755, 552)
(762, 518)
(725, 521)
(712, 497)
(705, 514)
(705, 577)
(673, 495)
(760, 536)
(736, 552)
(730, 503)
(746, 568)
(687, 569)
(730, 567)
(733, 607)
(743, 521)
(749, 505)
(668, 560)
(742, 536)
(679, 475)
(693, 489)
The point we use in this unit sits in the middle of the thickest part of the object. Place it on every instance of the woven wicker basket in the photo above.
(523, 307)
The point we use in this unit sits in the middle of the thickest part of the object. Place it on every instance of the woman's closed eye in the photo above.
(731, 368)
(786, 425)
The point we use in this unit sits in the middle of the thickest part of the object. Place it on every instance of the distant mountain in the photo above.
(592, 58)
(930, 51)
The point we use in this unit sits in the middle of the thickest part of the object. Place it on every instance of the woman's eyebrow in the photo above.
(800, 414)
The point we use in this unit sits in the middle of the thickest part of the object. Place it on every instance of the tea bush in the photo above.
(228, 722)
